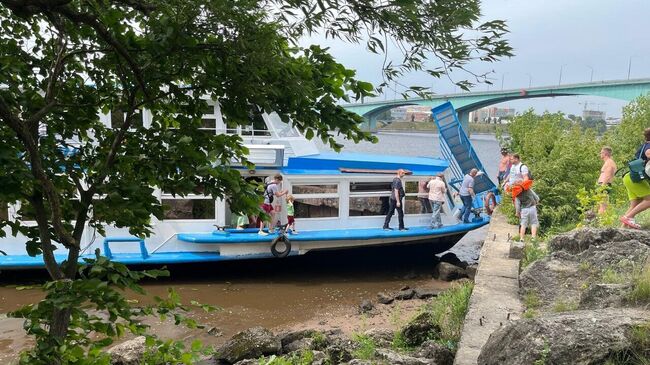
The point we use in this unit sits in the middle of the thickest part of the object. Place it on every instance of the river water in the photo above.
(276, 293)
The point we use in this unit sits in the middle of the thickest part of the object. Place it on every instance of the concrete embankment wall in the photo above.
(495, 299)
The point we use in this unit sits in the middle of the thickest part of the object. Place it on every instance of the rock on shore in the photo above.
(579, 298)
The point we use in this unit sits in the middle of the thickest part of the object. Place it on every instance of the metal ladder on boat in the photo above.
(457, 149)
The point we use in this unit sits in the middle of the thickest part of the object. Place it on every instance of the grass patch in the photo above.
(611, 276)
(399, 342)
(641, 285)
(533, 251)
(531, 299)
(303, 358)
(366, 347)
(448, 311)
(531, 302)
(319, 341)
(585, 267)
(564, 306)
(530, 313)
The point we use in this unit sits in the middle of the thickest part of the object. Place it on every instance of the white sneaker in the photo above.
(262, 233)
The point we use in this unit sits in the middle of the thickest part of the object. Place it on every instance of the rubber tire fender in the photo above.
(287, 244)
(489, 202)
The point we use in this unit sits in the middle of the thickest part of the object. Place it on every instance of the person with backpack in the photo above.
(271, 192)
(518, 171)
(638, 187)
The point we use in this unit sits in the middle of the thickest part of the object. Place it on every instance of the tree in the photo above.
(563, 158)
(63, 60)
(626, 138)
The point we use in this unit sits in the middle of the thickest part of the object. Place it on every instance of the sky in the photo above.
(576, 36)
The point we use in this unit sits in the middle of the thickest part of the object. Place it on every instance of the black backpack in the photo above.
(269, 194)
(530, 173)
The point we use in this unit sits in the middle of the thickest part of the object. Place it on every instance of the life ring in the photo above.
(489, 202)
(287, 244)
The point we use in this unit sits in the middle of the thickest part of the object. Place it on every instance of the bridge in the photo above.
(464, 103)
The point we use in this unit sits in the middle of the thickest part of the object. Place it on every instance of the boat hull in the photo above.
(220, 246)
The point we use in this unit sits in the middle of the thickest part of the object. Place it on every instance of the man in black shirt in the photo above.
(396, 196)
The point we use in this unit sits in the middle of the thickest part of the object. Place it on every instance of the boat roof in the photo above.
(331, 164)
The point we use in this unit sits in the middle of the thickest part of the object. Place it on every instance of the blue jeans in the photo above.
(436, 207)
(467, 207)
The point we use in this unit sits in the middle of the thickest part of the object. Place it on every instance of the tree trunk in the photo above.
(60, 322)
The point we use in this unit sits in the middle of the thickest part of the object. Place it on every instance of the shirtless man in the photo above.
(606, 174)
(504, 166)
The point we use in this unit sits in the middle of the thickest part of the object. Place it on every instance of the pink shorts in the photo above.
(267, 208)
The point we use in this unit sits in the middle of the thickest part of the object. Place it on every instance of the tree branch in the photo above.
(107, 37)
(38, 172)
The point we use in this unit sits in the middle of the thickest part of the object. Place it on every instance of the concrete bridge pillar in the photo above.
(370, 124)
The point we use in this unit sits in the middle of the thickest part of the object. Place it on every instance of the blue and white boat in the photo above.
(340, 202)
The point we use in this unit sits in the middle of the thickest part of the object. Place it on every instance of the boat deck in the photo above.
(250, 235)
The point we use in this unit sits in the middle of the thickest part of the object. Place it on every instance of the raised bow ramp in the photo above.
(457, 148)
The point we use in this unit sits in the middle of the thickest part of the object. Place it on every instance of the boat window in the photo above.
(370, 187)
(369, 198)
(314, 189)
(189, 208)
(315, 200)
(368, 206)
(255, 126)
(316, 207)
(411, 187)
(412, 203)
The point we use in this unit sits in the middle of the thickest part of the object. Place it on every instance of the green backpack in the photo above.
(637, 167)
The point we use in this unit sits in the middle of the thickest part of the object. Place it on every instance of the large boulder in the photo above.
(441, 355)
(580, 261)
(578, 338)
(605, 296)
(448, 272)
(128, 352)
(580, 240)
(381, 337)
(251, 343)
(420, 329)
(395, 358)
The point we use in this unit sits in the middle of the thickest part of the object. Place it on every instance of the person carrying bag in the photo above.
(639, 169)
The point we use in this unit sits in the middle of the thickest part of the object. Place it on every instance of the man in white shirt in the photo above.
(517, 170)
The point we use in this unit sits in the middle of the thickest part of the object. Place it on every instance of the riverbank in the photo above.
(322, 291)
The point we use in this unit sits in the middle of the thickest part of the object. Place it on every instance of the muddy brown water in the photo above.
(274, 293)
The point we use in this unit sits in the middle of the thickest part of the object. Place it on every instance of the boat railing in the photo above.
(107, 249)
(162, 244)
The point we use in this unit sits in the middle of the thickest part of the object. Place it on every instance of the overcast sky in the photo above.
(575, 35)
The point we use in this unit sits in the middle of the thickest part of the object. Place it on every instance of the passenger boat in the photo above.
(340, 202)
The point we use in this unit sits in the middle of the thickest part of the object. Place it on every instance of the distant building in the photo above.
(611, 121)
(593, 115)
(491, 115)
(411, 113)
